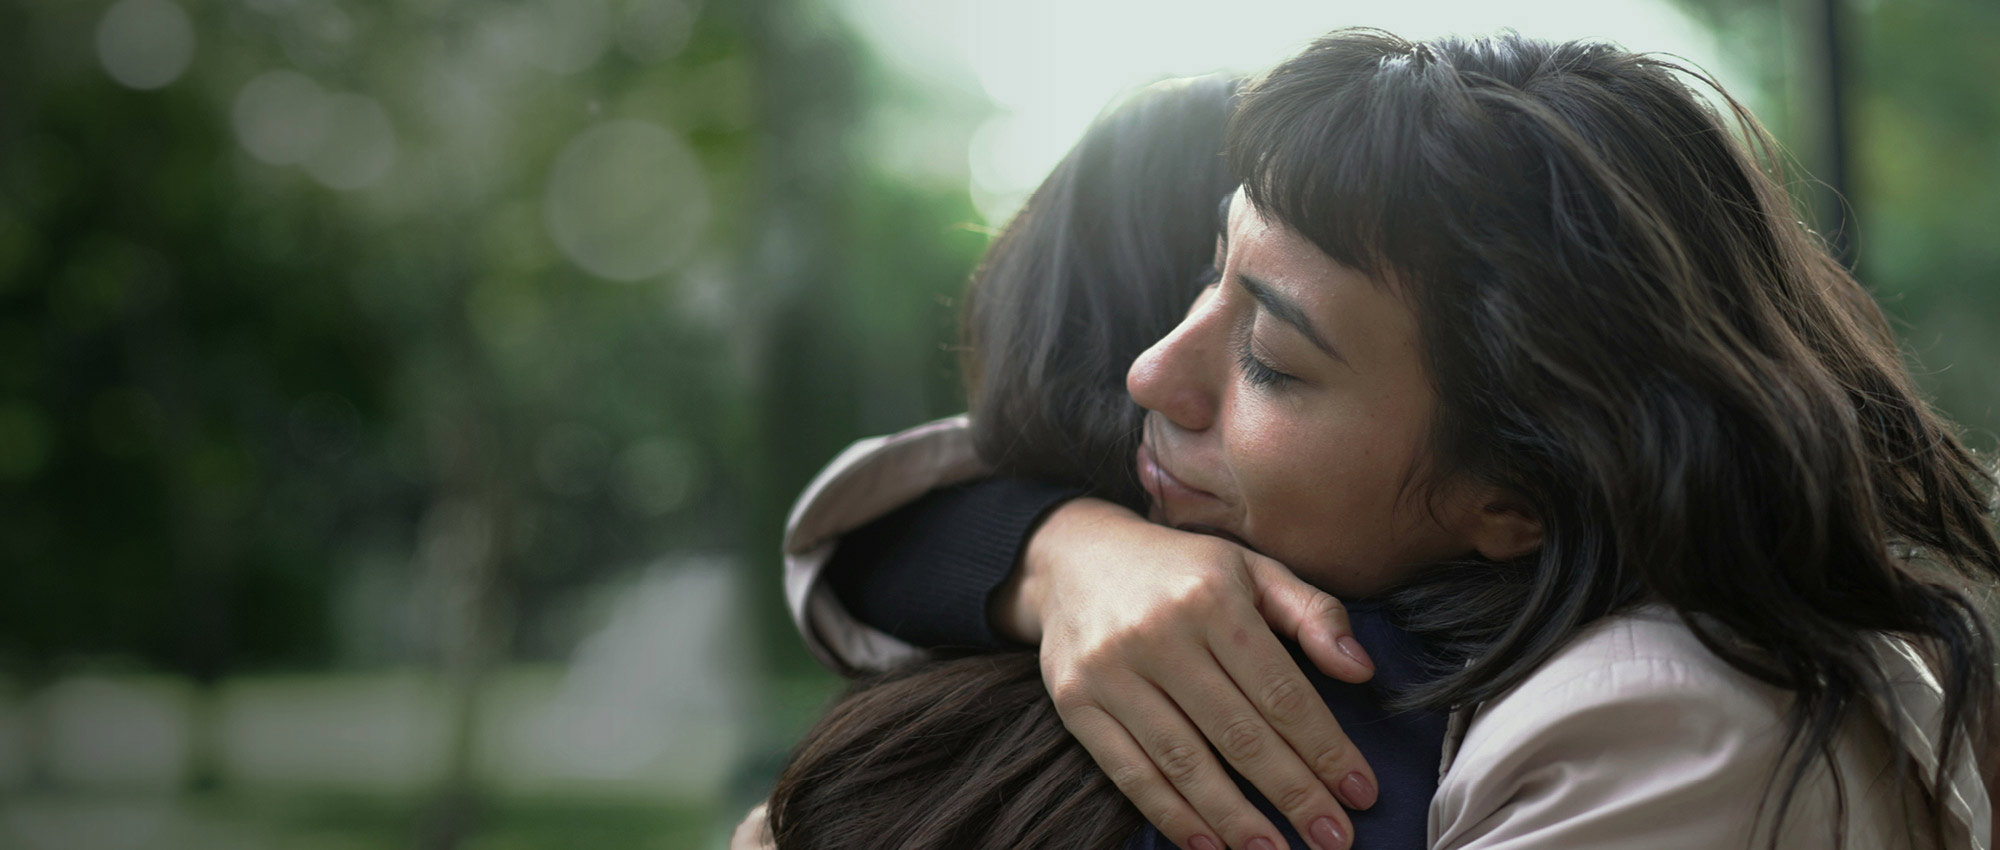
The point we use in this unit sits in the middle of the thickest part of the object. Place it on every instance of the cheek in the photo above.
(1292, 471)
(1322, 490)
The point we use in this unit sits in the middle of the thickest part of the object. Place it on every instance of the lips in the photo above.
(1166, 490)
(1177, 503)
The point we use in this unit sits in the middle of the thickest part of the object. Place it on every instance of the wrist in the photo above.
(1016, 612)
(1020, 606)
(1017, 605)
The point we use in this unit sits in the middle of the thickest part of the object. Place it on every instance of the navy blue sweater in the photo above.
(926, 573)
(1404, 748)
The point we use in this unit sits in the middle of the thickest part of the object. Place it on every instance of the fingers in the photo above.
(1259, 669)
(1136, 774)
(1312, 618)
(1247, 734)
(1177, 651)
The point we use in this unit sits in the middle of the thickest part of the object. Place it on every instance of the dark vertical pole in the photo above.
(1822, 32)
(1838, 164)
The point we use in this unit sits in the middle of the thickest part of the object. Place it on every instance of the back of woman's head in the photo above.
(1102, 261)
(1628, 326)
(1104, 258)
(964, 753)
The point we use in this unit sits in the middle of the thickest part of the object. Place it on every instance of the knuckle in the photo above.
(1232, 571)
(1175, 822)
(1200, 594)
(1240, 821)
(1098, 654)
(1241, 739)
(1324, 605)
(1180, 763)
(1294, 799)
(1220, 581)
(1129, 779)
(1071, 696)
(1127, 643)
(1286, 700)
(1120, 646)
(1333, 759)
(1067, 690)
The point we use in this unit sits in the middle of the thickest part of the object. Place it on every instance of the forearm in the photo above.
(935, 572)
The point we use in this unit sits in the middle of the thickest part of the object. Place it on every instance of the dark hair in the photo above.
(1628, 326)
(1102, 261)
(963, 753)
(1100, 264)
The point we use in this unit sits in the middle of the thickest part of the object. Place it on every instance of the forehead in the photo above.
(1273, 252)
(1367, 318)
(1242, 216)
(1272, 244)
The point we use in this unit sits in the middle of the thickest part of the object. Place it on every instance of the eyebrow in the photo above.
(1288, 311)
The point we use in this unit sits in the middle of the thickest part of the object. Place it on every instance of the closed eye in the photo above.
(1258, 372)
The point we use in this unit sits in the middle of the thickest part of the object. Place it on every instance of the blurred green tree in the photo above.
(1921, 130)
(381, 330)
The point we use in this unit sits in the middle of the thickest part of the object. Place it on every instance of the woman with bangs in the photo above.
(1102, 261)
(1516, 341)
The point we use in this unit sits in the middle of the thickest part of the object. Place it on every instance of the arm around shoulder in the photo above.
(868, 480)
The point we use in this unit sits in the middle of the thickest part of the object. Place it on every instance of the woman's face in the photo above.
(1291, 410)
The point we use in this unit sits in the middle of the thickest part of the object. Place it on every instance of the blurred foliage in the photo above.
(342, 334)
(1923, 129)
(253, 414)
(375, 333)
(359, 821)
(1928, 132)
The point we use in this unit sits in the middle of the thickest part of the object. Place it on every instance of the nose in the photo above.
(1177, 377)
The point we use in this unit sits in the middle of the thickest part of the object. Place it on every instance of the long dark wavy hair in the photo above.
(1101, 261)
(1628, 325)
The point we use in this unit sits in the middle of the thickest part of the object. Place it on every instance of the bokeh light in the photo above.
(280, 117)
(400, 403)
(358, 146)
(655, 30)
(562, 36)
(145, 44)
(657, 476)
(626, 200)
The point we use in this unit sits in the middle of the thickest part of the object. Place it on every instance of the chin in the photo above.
(1212, 531)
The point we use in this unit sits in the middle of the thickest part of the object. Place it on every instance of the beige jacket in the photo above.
(1633, 736)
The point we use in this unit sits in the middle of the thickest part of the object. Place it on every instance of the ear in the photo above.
(1504, 526)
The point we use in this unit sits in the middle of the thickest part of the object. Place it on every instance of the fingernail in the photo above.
(1357, 792)
(1202, 842)
(1350, 648)
(1262, 843)
(1326, 835)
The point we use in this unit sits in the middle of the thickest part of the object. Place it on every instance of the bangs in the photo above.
(1376, 150)
(1337, 168)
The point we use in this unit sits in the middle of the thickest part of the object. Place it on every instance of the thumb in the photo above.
(1310, 616)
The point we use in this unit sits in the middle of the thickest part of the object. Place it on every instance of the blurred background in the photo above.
(399, 402)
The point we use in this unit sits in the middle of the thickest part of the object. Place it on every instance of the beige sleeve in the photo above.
(1596, 761)
(869, 479)
(1643, 740)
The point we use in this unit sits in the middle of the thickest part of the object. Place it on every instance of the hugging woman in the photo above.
(1518, 342)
